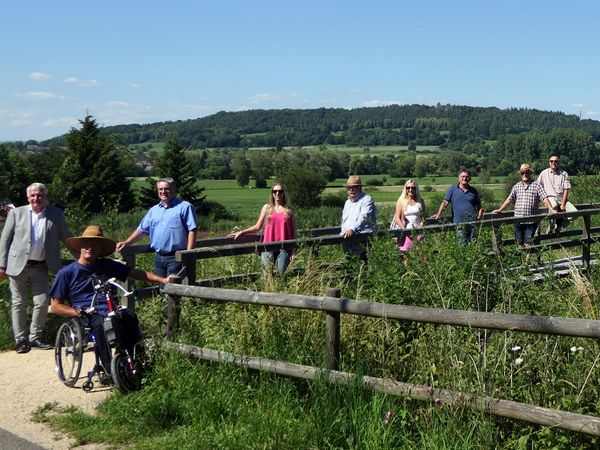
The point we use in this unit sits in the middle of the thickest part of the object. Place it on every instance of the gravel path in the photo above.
(28, 381)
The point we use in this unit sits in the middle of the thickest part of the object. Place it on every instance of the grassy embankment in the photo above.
(201, 405)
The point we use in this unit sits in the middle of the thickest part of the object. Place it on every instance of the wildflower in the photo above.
(516, 348)
(429, 390)
(518, 361)
(576, 349)
(388, 418)
(438, 401)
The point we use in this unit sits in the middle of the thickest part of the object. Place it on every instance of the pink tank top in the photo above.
(279, 228)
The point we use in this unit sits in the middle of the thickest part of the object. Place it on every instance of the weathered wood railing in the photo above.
(334, 307)
(249, 244)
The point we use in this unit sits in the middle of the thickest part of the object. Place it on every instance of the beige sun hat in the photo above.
(107, 246)
(525, 168)
(354, 180)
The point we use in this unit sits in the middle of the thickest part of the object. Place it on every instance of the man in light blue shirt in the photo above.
(171, 226)
(358, 216)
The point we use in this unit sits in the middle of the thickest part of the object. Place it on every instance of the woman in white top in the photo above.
(410, 213)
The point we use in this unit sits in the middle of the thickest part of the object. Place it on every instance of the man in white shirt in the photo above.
(557, 185)
(29, 247)
(358, 216)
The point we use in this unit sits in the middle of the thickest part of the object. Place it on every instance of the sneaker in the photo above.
(39, 345)
(23, 346)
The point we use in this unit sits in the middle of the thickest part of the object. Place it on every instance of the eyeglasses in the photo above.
(350, 188)
(277, 191)
(554, 161)
(411, 188)
(525, 172)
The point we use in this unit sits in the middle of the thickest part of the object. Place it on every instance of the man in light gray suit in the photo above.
(29, 246)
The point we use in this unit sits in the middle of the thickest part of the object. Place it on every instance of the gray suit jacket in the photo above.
(15, 242)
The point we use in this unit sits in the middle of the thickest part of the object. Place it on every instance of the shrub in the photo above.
(374, 182)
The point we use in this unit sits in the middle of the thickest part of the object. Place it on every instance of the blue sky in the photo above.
(147, 61)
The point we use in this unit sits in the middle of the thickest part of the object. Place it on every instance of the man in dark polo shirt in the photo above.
(466, 206)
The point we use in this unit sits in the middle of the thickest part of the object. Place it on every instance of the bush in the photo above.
(374, 182)
(427, 188)
(304, 186)
(335, 200)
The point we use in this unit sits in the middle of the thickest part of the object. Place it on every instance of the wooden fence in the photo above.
(250, 244)
(333, 307)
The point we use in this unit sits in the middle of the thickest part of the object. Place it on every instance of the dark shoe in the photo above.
(39, 345)
(23, 346)
(105, 379)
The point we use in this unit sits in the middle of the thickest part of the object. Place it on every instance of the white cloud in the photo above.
(592, 113)
(372, 103)
(117, 104)
(42, 95)
(135, 85)
(39, 76)
(62, 122)
(578, 105)
(81, 83)
(263, 98)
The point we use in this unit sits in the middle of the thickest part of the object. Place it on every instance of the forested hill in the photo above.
(388, 125)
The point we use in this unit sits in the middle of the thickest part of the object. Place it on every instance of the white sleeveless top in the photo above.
(412, 215)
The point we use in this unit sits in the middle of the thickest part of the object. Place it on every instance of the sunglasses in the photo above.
(554, 161)
(411, 188)
(526, 172)
(277, 191)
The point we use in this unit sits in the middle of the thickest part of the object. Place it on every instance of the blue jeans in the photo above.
(524, 233)
(166, 265)
(281, 256)
(465, 234)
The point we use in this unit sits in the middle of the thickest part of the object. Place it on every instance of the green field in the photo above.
(237, 199)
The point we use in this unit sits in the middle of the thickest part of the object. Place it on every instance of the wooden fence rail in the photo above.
(334, 307)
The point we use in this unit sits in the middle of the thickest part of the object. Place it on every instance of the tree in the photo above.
(304, 186)
(261, 162)
(14, 176)
(174, 163)
(241, 169)
(91, 177)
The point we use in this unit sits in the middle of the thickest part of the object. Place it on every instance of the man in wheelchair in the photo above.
(73, 290)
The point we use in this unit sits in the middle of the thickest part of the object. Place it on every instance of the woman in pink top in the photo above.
(279, 225)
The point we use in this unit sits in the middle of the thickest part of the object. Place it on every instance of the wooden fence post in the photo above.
(585, 243)
(332, 334)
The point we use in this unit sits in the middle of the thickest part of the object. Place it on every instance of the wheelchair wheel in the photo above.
(68, 352)
(125, 373)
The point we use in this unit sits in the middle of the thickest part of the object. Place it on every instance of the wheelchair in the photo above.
(73, 339)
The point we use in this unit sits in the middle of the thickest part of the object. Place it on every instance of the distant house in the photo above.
(34, 148)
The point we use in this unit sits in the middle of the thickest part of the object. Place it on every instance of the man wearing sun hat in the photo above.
(73, 290)
(527, 194)
(358, 216)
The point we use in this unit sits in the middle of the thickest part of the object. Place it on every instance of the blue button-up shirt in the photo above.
(168, 226)
(359, 215)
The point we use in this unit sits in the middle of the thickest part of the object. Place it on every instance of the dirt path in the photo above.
(28, 381)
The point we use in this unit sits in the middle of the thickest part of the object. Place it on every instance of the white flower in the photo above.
(518, 361)
(516, 348)
(576, 349)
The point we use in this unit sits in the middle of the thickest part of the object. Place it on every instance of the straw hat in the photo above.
(107, 246)
(524, 168)
(354, 180)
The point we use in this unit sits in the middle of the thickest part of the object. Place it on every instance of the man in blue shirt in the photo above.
(358, 216)
(466, 206)
(73, 289)
(171, 226)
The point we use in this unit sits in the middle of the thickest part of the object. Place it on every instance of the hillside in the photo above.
(389, 125)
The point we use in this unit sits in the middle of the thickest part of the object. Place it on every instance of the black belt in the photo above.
(33, 262)
(161, 253)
